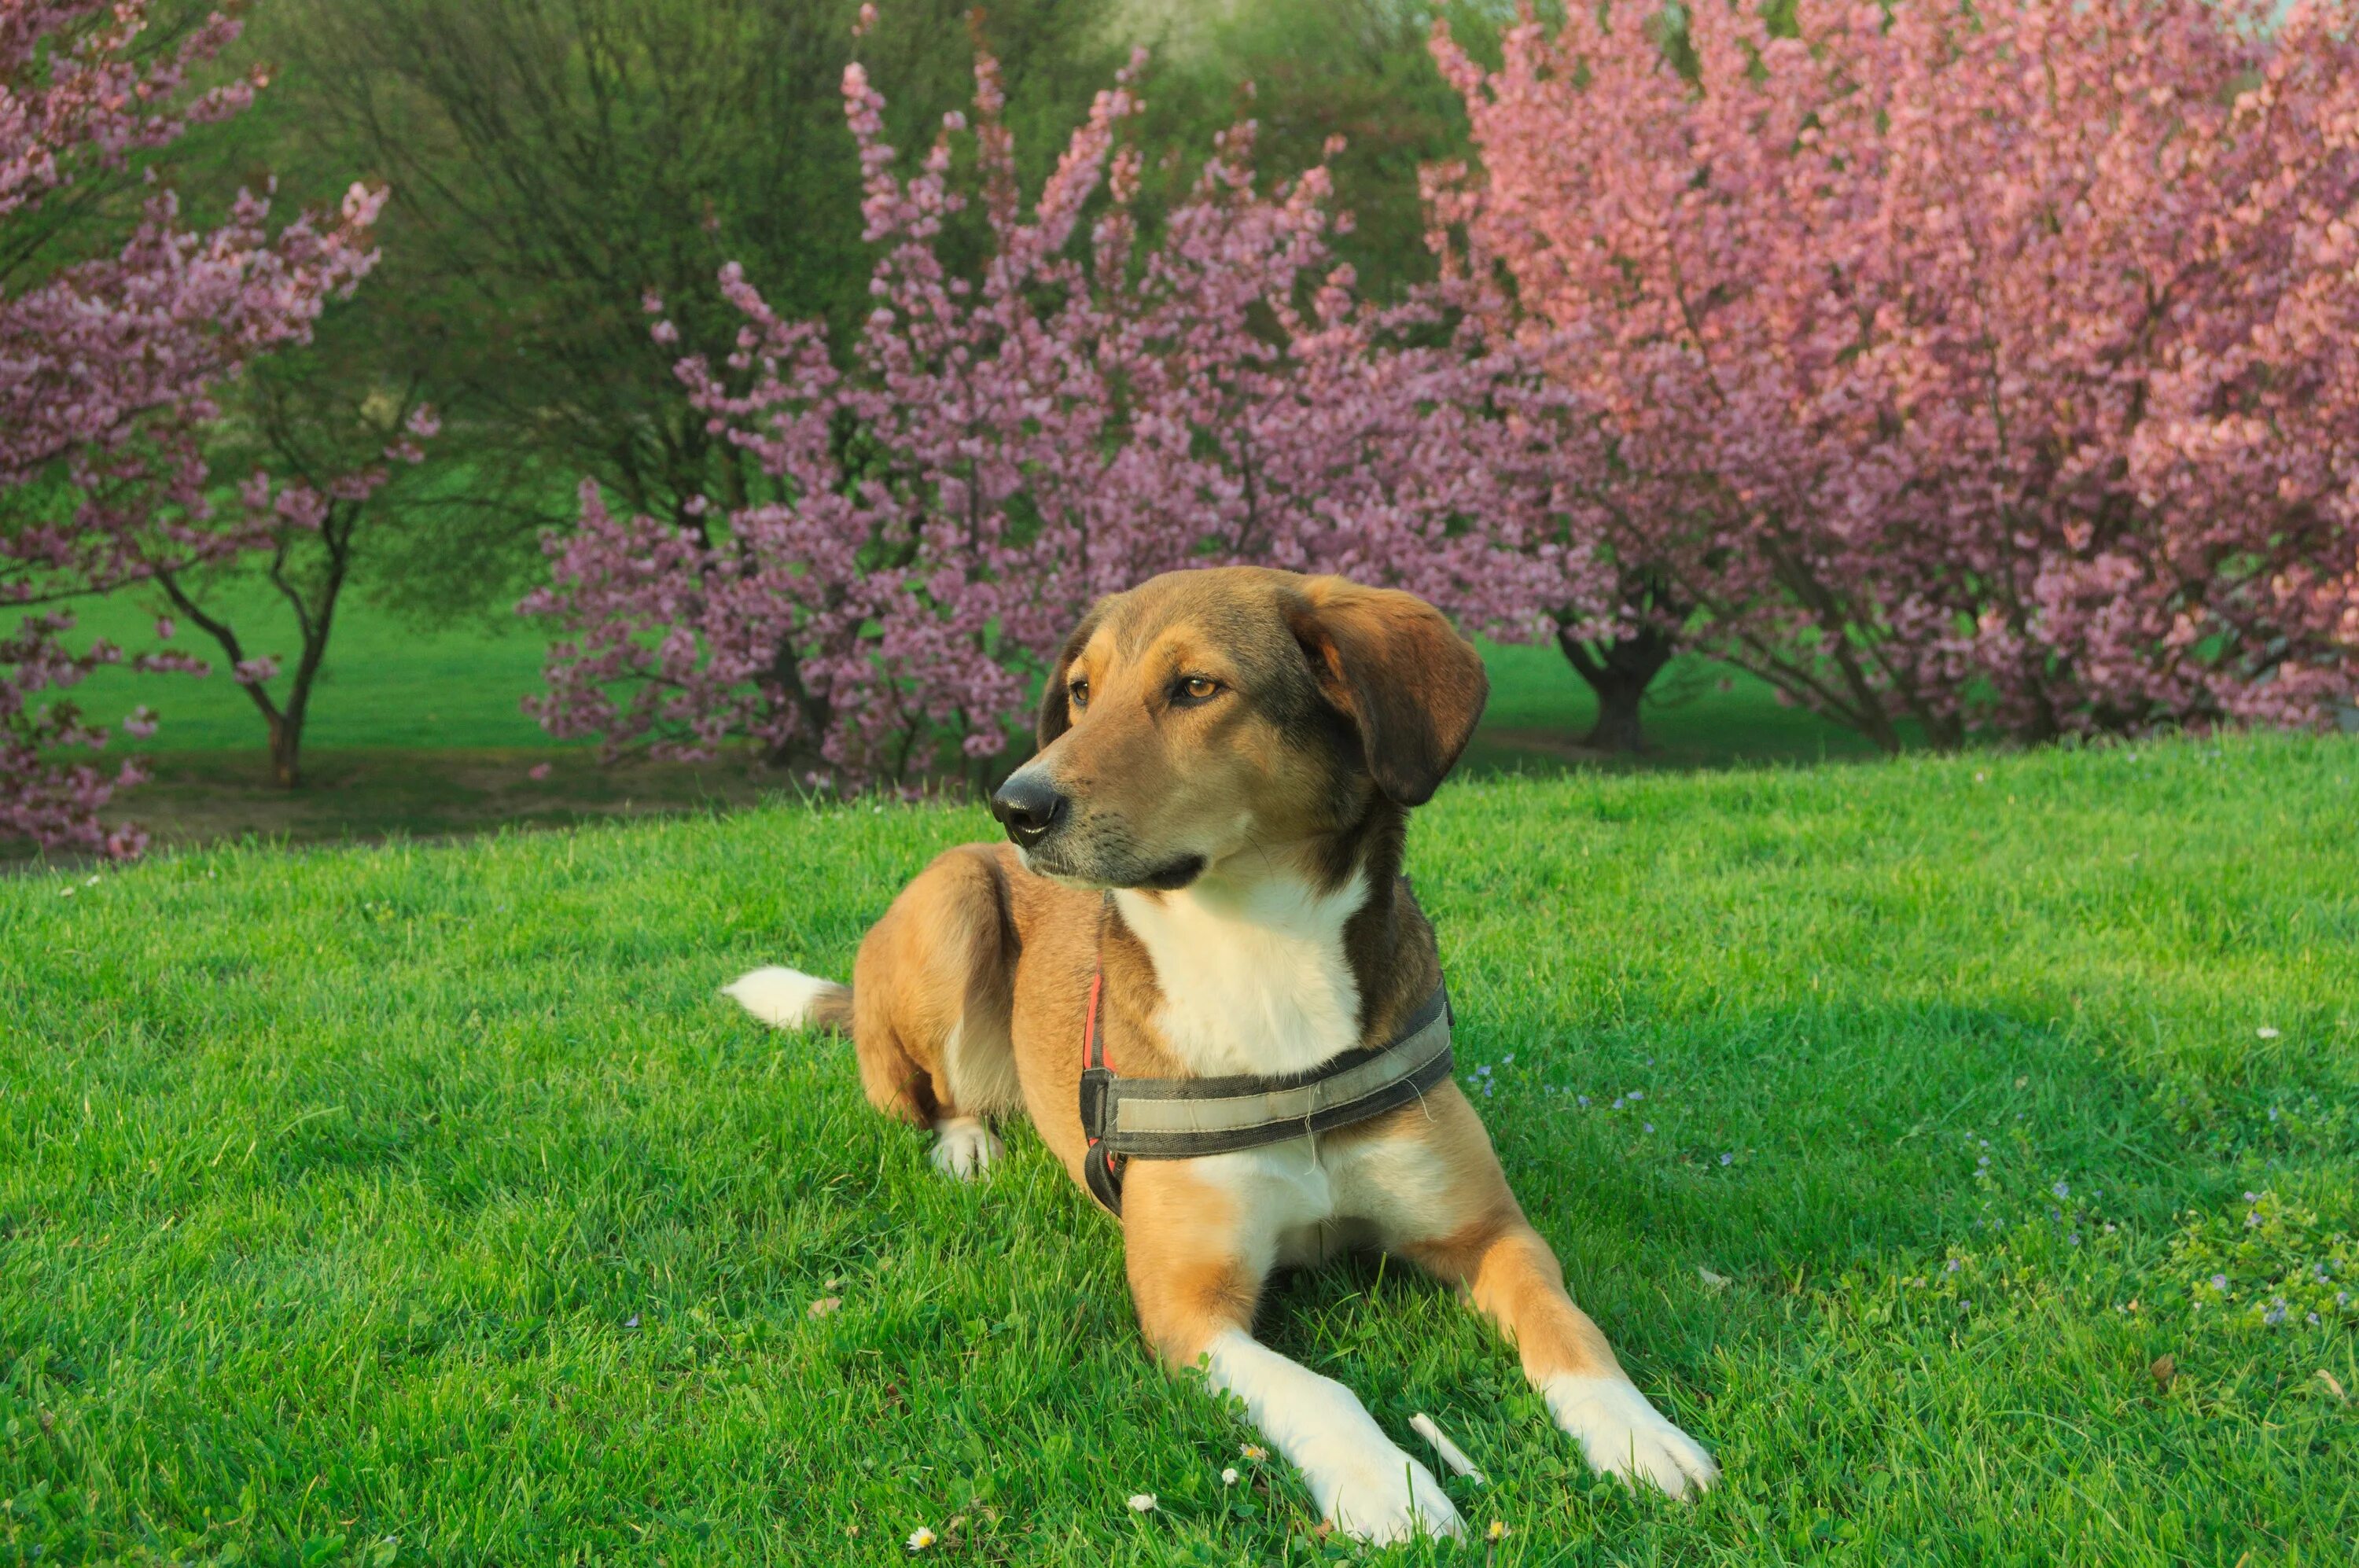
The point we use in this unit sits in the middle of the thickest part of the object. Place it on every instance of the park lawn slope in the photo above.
(1960, 1148)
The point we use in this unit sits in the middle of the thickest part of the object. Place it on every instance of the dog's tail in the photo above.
(788, 998)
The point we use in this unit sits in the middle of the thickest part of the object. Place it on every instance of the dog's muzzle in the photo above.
(1029, 808)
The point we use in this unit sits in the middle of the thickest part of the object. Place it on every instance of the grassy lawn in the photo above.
(426, 1204)
(422, 732)
(385, 684)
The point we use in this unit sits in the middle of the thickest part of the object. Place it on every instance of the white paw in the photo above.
(1363, 1483)
(1378, 1494)
(965, 1148)
(783, 998)
(1623, 1436)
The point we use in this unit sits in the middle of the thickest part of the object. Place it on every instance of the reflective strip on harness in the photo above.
(1181, 1118)
(1174, 1118)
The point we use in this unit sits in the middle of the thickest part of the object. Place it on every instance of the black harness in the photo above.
(1182, 1118)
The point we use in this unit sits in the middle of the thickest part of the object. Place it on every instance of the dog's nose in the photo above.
(1028, 807)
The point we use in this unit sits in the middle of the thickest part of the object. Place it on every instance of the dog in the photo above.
(1203, 886)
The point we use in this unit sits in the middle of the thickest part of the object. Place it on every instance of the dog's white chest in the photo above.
(1254, 981)
(1306, 1200)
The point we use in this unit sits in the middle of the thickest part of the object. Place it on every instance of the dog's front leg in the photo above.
(1196, 1272)
(1512, 1277)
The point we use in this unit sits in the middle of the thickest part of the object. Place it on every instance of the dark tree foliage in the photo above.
(555, 161)
(1309, 70)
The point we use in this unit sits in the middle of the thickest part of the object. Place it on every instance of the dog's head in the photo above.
(1212, 713)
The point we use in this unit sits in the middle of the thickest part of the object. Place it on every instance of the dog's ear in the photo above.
(1056, 714)
(1391, 664)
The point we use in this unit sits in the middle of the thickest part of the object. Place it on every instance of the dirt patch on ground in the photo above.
(359, 795)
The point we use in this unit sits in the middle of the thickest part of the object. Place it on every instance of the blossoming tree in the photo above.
(1981, 369)
(872, 589)
(107, 364)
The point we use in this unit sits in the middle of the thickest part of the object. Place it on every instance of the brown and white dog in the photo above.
(1234, 753)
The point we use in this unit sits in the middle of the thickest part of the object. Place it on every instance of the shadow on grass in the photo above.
(369, 794)
(1706, 716)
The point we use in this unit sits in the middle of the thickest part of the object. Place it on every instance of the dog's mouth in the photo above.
(1172, 877)
(1169, 877)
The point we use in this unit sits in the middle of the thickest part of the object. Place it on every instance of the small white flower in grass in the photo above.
(1254, 1451)
(92, 883)
(1142, 1502)
(2265, 1032)
(1498, 1530)
(65, 892)
(921, 1537)
(1229, 1477)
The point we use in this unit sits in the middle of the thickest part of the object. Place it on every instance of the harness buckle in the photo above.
(1097, 1099)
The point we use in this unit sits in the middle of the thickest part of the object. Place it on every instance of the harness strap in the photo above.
(1099, 1165)
(1182, 1118)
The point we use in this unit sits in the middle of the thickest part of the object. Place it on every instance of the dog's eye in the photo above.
(1078, 693)
(1195, 688)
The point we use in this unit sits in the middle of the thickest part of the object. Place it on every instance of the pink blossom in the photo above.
(1955, 392)
(106, 366)
(1086, 409)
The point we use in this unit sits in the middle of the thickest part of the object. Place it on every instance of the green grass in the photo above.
(422, 731)
(386, 683)
(426, 1204)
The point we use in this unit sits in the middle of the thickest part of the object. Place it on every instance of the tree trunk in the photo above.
(1619, 673)
(1619, 725)
(285, 750)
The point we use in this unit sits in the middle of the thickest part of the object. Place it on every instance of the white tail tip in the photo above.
(784, 997)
